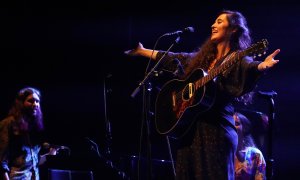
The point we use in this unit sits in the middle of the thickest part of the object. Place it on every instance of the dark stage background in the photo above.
(71, 50)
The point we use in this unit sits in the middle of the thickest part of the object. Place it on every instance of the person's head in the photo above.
(26, 109)
(243, 127)
(231, 26)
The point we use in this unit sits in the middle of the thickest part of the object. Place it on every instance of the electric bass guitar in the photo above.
(180, 101)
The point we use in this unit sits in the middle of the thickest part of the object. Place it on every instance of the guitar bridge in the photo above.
(191, 90)
(173, 99)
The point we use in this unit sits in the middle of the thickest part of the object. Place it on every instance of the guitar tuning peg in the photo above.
(265, 52)
(259, 55)
(254, 56)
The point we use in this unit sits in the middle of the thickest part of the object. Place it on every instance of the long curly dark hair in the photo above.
(240, 39)
(24, 122)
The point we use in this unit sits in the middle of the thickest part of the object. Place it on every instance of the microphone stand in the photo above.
(108, 131)
(145, 84)
(153, 70)
(270, 161)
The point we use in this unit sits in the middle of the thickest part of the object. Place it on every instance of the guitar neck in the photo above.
(228, 61)
(231, 59)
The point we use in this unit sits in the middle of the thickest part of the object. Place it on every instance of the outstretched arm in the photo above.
(269, 61)
(141, 51)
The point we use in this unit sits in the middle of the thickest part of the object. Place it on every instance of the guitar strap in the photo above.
(223, 59)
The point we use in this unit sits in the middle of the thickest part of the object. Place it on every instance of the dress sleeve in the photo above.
(240, 78)
(4, 139)
(169, 62)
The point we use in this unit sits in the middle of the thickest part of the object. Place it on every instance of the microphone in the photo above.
(185, 30)
(57, 147)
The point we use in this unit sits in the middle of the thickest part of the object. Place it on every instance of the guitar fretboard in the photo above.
(228, 61)
(231, 59)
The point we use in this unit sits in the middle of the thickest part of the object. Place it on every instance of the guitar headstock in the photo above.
(257, 49)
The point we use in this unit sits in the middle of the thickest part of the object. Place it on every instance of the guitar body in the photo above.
(179, 102)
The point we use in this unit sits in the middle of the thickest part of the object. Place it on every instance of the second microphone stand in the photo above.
(145, 84)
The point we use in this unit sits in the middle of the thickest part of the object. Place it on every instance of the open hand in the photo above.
(269, 61)
(135, 52)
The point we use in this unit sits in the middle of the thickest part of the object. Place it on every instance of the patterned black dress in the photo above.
(207, 151)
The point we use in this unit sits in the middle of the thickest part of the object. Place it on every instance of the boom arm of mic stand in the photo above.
(151, 72)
